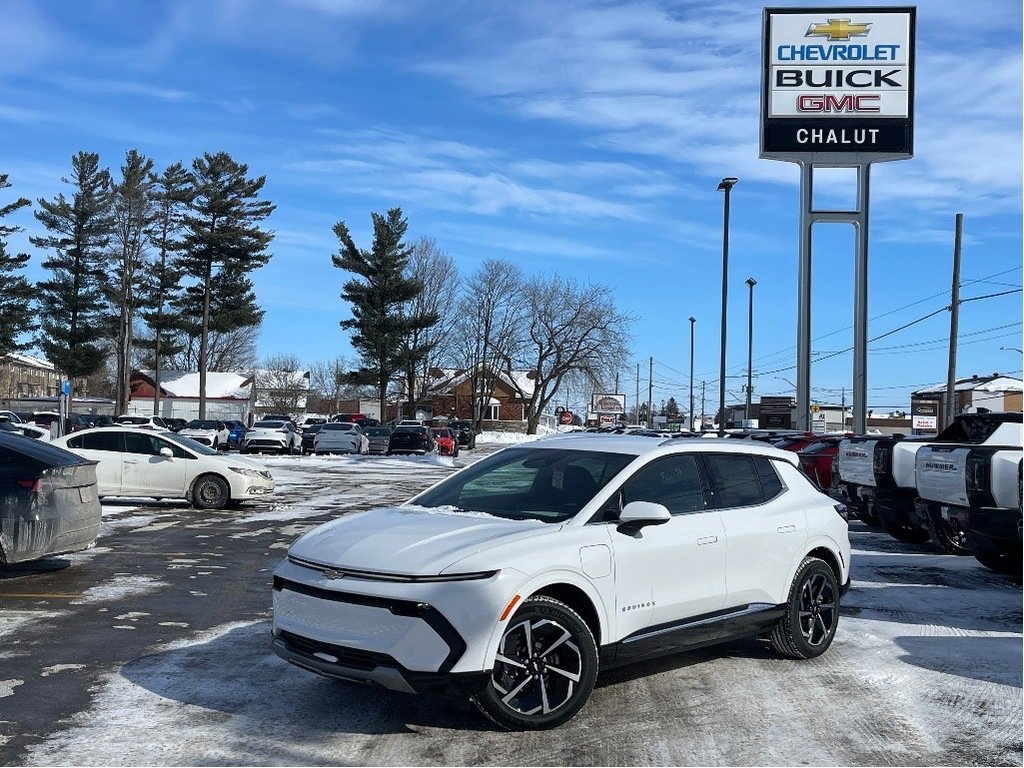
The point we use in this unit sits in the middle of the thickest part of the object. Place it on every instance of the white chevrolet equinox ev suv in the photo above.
(516, 579)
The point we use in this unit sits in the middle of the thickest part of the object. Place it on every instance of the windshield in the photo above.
(378, 432)
(206, 424)
(268, 425)
(549, 484)
(189, 443)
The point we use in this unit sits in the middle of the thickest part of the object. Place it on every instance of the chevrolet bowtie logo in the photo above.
(838, 29)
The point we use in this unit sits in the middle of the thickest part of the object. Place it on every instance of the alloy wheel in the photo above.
(818, 608)
(538, 667)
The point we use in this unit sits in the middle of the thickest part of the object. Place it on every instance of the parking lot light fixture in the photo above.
(725, 185)
(751, 282)
(693, 320)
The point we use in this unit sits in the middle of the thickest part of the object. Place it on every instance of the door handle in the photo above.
(786, 528)
(706, 540)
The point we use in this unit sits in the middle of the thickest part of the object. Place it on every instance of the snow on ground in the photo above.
(926, 669)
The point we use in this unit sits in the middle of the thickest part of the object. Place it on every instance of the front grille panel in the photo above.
(355, 658)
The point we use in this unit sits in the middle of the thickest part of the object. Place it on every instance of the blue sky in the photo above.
(579, 139)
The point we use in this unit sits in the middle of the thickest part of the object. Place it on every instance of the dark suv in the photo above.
(464, 432)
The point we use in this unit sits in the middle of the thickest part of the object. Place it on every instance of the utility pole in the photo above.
(843, 422)
(702, 385)
(637, 419)
(954, 322)
(650, 395)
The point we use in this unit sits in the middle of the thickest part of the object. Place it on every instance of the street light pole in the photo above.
(750, 343)
(693, 320)
(725, 185)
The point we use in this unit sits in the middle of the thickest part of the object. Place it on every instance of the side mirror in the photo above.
(637, 514)
(166, 452)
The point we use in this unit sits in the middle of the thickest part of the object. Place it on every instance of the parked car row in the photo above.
(960, 489)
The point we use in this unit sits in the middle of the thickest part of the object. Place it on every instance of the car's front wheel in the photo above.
(809, 625)
(545, 668)
(211, 492)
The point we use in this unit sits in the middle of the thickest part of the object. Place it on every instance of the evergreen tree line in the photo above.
(153, 266)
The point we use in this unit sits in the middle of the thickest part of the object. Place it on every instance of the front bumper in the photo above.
(387, 631)
(349, 664)
(264, 444)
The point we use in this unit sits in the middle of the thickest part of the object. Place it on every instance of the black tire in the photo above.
(812, 612)
(1000, 562)
(211, 492)
(949, 538)
(905, 532)
(547, 654)
(216, 444)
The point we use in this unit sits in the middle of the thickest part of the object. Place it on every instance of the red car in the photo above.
(447, 443)
(816, 459)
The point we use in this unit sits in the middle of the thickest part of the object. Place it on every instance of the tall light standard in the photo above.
(725, 185)
(750, 343)
(693, 320)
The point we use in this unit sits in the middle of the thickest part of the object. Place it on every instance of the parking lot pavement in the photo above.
(153, 649)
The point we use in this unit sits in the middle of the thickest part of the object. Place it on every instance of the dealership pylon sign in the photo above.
(837, 92)
(838, 82)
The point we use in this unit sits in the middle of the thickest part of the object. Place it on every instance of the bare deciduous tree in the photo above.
(330, 380)
(570, 328)
(428, 346)
(227, 350)
(281, 385)
(490, 328)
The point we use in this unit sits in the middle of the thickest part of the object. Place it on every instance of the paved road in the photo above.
(153, 649)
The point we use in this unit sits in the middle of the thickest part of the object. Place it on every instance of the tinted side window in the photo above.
(673, 481)
(734, 482)
(139, 442)
(771, 484)
(99, 441)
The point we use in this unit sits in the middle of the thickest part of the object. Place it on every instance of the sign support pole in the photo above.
(808, 218)
(860, 302)
(803, 322)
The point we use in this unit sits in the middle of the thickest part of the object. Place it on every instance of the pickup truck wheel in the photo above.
(1000, 562)
(807, 628)
(544, 670)
(908, 534)
(947, 536)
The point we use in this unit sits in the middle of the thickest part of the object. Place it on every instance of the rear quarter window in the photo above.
(734, 481)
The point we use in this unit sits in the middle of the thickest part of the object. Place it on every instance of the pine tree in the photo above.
(222, 244)
(74, 315)
(16, 317)
(377, 292)
(171, 195)
(134, 214)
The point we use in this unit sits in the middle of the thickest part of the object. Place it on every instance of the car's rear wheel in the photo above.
(809, 625)
(211, 492)
(545, 668)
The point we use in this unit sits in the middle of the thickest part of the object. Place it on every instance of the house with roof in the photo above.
(229, 395)
(449, 394)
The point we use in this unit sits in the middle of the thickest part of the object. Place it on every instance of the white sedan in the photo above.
(143, 462)
(341, 437)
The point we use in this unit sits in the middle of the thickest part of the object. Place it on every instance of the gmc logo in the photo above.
(830, 103)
